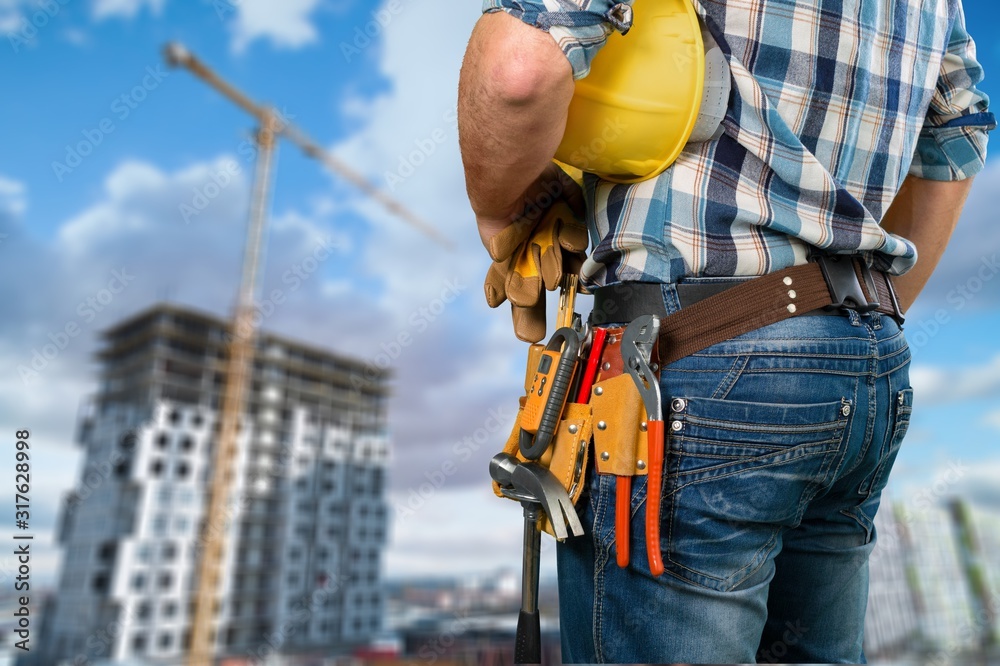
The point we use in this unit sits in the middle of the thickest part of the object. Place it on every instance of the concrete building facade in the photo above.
(306, 521)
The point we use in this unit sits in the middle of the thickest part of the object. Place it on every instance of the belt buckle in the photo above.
(844, 285)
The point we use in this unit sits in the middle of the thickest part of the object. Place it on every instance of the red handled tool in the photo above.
(637, 351)
(600, 335)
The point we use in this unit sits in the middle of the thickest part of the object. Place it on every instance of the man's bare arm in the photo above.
(514, 94)
(924, 212)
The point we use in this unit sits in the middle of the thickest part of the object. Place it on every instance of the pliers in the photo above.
(637, 351)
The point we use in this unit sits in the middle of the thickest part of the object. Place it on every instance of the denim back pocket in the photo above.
(876, 482)
(737, 472)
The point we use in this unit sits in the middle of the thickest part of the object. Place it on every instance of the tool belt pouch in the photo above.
(619, 438)
(566, 457)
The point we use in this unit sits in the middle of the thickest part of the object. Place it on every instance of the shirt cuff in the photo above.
(580, 32)
(953, 151)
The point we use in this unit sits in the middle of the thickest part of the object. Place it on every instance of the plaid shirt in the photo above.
(832, 105)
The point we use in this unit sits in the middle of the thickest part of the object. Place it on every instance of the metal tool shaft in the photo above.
(528, 647)
(532, 558)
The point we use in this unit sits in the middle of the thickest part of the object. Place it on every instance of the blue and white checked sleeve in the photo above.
(952, 143)
(579, 27)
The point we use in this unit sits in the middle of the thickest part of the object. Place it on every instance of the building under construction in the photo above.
(306, 514)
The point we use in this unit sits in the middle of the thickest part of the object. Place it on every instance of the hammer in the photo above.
(538, 491)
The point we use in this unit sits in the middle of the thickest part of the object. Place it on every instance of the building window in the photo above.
(100, 583)
(197, 420)
(144, 611)
(175, 417)
(182, 470)
(106, 553)
(156, 469)
(128, 441)
(160, 525)
(144, 553)
(165, 580)
(162, 440)
(166, 640)
(187, 444)
(139, 644)
(138, 582)
(169, 609)
(169, 552)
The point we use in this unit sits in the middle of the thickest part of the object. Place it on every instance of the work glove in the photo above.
(529, 257)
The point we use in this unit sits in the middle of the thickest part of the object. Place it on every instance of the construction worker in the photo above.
(853, 130)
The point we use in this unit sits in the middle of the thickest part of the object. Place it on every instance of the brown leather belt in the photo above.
(826, 285)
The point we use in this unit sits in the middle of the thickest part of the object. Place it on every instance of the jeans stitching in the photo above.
(822, 448)
(735, 426)
(852, 513)
(818, 369)
(600, 563)
(848, 430)
(674, 494)
(729, 381)
(872, 400)
(769, 546)
(899, 427)
(749, 350)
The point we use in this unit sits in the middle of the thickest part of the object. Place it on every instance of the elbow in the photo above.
(525, 81)
(515, 65)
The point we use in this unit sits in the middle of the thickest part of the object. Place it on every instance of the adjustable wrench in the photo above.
(637, 351)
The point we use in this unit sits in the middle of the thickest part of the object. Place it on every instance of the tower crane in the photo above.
(271, 128)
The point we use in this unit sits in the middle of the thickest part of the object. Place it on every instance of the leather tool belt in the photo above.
(713, 313)
(610, 404)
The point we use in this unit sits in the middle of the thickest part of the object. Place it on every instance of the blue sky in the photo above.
(374, 100)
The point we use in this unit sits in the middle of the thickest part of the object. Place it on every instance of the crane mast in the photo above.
(239, 365)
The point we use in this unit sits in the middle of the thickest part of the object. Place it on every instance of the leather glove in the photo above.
(527, 259)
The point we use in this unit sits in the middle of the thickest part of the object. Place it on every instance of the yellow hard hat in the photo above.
(631, 116)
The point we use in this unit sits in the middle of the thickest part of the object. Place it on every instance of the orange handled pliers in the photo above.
(637, 351)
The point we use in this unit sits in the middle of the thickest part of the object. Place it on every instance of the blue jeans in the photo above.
(770, 486)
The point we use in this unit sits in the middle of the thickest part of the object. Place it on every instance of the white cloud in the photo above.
(460, 370)
(103, 9)
(13, 197)
(992, 419)
(968, 277)
(10, 15)
(285, 24)
(452, 370)
(458, 532)
(415, 123)
(937, 385)
(76, 37)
